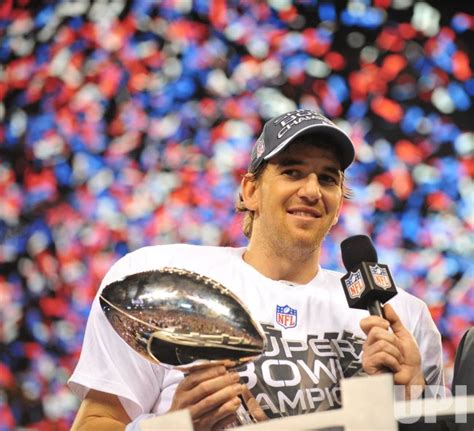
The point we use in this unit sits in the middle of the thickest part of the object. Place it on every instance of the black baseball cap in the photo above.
(281, 131)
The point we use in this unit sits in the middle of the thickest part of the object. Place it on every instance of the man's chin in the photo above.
(302, 245)
(310, 241)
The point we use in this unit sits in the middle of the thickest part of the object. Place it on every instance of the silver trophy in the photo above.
(183, 320)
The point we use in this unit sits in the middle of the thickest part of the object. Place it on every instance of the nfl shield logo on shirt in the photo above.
(286, 316)
(355, 284)
(380, 276)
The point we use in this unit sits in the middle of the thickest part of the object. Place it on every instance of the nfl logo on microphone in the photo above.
(286, 316)
(355, 284)
(380, 276)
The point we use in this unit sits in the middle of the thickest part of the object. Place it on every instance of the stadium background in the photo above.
(125, 124)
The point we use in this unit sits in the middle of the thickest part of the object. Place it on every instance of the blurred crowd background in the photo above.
(129, 123)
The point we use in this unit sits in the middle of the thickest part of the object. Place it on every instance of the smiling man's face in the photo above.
(297, 199)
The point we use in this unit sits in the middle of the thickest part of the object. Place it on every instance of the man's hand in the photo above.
(252, 406)
(211, 395)
(396, 351)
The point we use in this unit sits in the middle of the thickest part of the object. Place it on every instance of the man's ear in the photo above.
(338, 213)
(249, 187)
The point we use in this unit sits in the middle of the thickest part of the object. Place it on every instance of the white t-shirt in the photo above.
(314, 338)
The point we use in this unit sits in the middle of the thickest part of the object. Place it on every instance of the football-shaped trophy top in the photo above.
(181, 319)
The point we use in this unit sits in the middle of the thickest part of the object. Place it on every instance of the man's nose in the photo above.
(310, 188)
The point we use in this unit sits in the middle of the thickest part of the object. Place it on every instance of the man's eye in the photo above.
(328, 179)
(293, 173)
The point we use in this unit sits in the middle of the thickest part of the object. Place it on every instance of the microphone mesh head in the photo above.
(357, 249)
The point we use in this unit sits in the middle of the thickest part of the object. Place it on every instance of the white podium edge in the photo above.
(368, 404)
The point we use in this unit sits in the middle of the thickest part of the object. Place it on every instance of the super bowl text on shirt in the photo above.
(302, 376)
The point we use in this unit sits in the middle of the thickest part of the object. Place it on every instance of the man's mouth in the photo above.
(308, 213)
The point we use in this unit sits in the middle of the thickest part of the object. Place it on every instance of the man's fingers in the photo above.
(209, 387)
(252, 405)
(370, 322)
(196, 386)
(383, 346)
(379, 362)
(222, 413)
(378, 335)
(389, 345)
(217, 400)
(395, 322)
(199, 388)
(196, 377)
(382, 349)
(391, 320)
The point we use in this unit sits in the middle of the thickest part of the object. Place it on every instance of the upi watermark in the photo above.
(430, 403)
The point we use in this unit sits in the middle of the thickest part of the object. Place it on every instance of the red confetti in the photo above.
(392, 65)
(32, 350)
(335, 60)
(218, 13)
(6, 9)
(461, 68)
(402, 184)
(390, 40)
(315, 45)
(438, 201)
(366, 81)
(53, 307)
(385, 203)
(289, 14)
(408, 152)
(384, 4)
(187, 30)
(388, 109)
(7, 380)
(406, 30)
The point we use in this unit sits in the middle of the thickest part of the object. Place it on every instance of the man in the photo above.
(293, 194)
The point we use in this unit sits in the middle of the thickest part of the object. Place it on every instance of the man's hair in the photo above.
(249, 215)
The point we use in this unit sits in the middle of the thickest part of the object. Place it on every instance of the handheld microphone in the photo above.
(368, 284)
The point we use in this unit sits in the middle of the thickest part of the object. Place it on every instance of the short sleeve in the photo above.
(108, 364)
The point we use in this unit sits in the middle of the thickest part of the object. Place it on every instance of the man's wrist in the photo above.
(416, 388)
